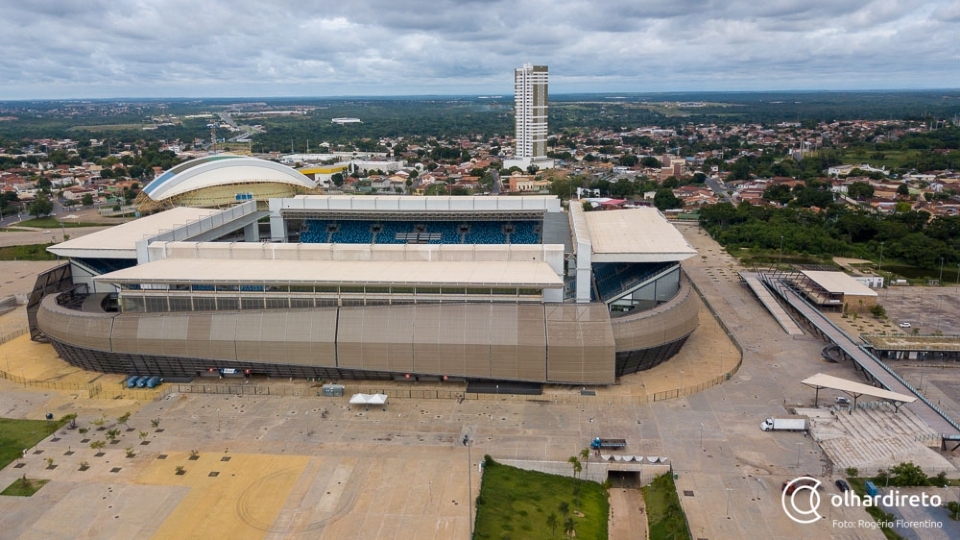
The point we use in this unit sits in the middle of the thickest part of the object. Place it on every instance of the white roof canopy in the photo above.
(838, 283)
(854, 388)
(635, 235)
(368, 399)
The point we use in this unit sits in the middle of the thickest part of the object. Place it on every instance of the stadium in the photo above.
(220, 180)
(513, 290)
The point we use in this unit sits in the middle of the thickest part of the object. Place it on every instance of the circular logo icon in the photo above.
(802, 490)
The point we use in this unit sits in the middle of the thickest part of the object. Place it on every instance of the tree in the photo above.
(87, 199)
(123, 419)
(568, 527)
(671, 182)
(651, 162)
(98, 446)
(337, 179)
(41, 206)
(903, 190)
(907, 474)
(552, 522)
(860, 190)
(564, 508)
(72, 418)
(113, 434)
(585, 459)
(665, 199)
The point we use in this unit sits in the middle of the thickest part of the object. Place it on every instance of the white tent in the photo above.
(368, 399)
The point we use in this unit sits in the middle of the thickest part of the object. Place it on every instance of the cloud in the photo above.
(128, 48)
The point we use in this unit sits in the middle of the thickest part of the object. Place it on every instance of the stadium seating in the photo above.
(614, 278)
(432, 232)
(485, 232)
(525, 232)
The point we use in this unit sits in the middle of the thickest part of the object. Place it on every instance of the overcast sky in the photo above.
(210, 48)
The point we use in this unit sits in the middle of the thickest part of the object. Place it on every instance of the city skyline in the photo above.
(99, 49)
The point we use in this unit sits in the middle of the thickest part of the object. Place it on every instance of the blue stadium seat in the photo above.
(614, 278)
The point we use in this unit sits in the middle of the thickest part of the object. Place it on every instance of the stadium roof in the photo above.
(389, 206)
(635, 235)
(838, 283)
(435, 273)
(222, 170)
(120, 242)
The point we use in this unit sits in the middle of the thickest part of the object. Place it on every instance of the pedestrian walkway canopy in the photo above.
(855, 390)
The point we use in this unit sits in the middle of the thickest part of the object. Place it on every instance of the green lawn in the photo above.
(54, 223)
(32, 252)
(16, 435)
(24, 487)
(514, 503)
(664, 514)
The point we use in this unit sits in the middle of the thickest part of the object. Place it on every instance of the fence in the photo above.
(9, 335)
(92, 390)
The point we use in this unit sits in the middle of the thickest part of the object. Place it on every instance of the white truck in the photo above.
(785, 423)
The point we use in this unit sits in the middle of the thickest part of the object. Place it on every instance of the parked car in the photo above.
(841, 400)
(904, 325)
(842, 485)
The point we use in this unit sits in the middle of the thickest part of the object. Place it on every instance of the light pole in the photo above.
(400, 424)
(922, 364)
(218, 418)
(799, 447)
(728, 490)
(780, 259)
(939, 281)
(466, 442)
(701, 435)
(881, 258)
(679, 381)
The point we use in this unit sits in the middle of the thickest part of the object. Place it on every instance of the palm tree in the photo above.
(585, 459)
(575, 463)
(568, 526)
(564, 507)
(552, 522)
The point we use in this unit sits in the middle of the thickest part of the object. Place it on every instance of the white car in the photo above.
(843, 400)
(904, 325)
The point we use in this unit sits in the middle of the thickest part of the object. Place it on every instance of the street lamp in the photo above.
(399, 424)
(881, 258)
(679, 381)
(701, 435)
(218, 418)
(799, 447)
(466, 442)
(941, 271)
(728, 490)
